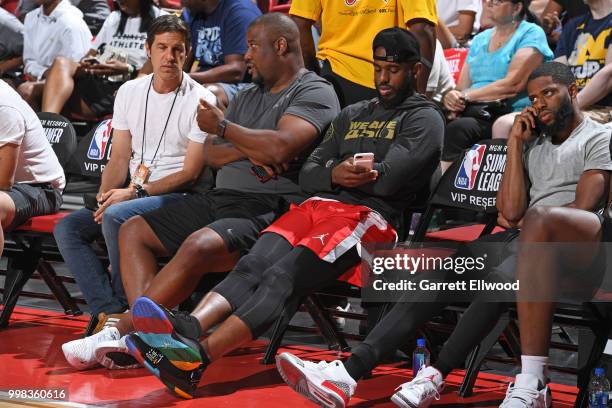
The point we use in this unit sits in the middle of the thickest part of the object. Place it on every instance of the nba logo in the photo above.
(466, 176)
(99, 141)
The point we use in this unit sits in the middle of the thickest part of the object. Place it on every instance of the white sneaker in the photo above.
(114, 355)
(327, 384)
(421, 391)
(524, 393)
(80, 353)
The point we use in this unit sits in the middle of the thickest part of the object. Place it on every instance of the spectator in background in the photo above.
(94, 12)
(88, 87)
(584, 45)
(347, 33)
(219, 43)
(557, 13)
(11, 43)
(497, 66)
(31, 177)
(55, 29)
(460, 18)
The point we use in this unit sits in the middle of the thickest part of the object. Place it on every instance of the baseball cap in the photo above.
(400, 45)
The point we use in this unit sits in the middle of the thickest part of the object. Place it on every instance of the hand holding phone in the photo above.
(364, 160)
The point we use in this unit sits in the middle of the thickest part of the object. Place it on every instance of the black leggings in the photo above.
(415, 309)
(461, 134)
(274, 272)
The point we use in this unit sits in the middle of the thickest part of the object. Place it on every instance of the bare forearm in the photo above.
(250, 142)
(426, 35)
(598, 87)
(11, 64)
(307, 43)
(222, 73)
(502, 89)
(179, 181)
(446, 37)
(219, 153)
(512, 196)
(114, 176)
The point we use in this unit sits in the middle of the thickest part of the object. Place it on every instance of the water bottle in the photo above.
(420, 357)
(599, 389)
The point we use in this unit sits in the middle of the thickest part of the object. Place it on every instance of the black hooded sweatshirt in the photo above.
(406, 141)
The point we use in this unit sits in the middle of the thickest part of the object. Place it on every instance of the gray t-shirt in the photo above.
(11, 36)
(309, 97)
(554, 170)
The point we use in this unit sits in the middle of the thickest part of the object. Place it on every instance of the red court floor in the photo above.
(31, 357)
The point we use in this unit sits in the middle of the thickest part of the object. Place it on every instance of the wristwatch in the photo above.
(221, 127)
(140, 191)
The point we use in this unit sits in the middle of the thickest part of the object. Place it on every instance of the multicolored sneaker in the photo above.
(421, 391)
(327, 384)
(181, 382)
(175, 334)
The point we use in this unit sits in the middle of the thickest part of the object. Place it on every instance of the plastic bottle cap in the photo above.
(599, 372)
(420, 342)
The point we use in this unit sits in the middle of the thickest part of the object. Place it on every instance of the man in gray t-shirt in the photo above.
(555, 169)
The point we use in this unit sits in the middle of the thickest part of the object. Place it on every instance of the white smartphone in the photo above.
(365, 160)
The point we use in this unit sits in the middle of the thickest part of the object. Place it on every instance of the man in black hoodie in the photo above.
(316, 242)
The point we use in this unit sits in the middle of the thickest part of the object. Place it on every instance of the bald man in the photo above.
(260, 144)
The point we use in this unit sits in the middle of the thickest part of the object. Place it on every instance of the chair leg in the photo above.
(477, 356)
(58, 289)
(322, 319)
(16, 279)
(280, 327)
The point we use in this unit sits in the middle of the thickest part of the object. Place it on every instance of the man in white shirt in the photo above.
(54, 29)
(157, 141)
(31, 178)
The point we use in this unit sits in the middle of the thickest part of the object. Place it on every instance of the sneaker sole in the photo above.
(116, 359)
(135, 352)
(404, 404)
(148, 317)
(155, 328)
(295, 378)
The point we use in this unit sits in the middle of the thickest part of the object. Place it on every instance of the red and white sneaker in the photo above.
(527, 392)
(327, 384)
(421, 391)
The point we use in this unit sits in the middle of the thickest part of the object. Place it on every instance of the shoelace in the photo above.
(527, 395)
(110, 322)
(427, 385)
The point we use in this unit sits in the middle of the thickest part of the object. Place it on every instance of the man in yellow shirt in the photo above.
(348, 28)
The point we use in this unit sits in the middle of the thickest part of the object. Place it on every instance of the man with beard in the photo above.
(316, 242)
(568, 165)
(269, 125)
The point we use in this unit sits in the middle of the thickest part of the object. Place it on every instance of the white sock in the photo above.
(535, 365)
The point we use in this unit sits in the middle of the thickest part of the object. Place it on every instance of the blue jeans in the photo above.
(75, 234)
